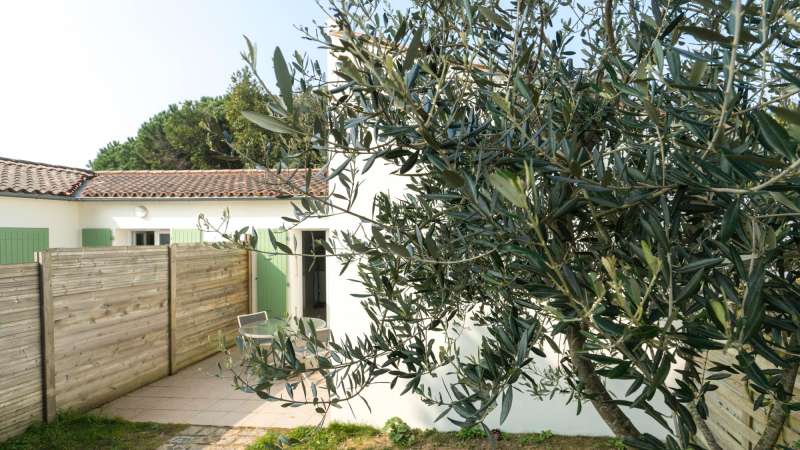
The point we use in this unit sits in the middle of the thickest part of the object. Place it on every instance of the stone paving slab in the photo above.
(213, 438)
(200, 395)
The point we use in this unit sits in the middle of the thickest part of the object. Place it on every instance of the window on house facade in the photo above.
(150, 237)
(144, 238)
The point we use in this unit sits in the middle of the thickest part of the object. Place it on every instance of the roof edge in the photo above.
(191, 199)
(37, 195)
(87, 172)
(276, 171)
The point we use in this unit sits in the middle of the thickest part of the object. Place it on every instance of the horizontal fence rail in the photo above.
(84, 326)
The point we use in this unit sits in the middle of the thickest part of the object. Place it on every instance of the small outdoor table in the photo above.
(268, 328)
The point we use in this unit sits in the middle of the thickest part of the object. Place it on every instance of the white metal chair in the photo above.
(324, 335)
(260, 316)
(244, 319)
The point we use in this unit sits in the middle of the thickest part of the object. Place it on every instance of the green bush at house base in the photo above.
(72, 431)
(399, 433)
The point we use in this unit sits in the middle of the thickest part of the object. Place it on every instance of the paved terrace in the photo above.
(197, 396)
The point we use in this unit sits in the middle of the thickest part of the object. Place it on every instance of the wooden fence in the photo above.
(20, 348)
(731, 417)
(84, 326)
(109, 321)
(209, 287)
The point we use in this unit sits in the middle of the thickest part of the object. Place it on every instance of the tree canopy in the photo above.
(209, 133)
(614, 182)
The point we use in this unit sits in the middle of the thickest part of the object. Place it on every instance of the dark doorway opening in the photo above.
(314, 301)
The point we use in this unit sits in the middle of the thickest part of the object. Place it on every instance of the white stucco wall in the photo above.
(60, 217)
(169, 214)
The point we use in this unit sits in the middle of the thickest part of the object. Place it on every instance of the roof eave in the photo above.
(37, 195)
(235, 198)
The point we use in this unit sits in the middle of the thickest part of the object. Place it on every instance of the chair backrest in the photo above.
(324, 335)
(244, 319)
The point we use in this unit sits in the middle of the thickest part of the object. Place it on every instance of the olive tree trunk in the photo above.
(705, 431)
(779, 412)
(595, 390)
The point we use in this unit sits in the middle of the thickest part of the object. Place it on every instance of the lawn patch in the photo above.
(335, 435)
(362, 437)
(73, 431)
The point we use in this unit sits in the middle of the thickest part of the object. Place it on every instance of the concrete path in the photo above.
(196, 396)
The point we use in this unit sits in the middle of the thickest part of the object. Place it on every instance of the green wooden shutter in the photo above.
(18, 245)
(185, 236)
(271, 280)
(96, 237)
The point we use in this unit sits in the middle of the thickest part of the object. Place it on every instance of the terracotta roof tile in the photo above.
(28, 177)
(203, 183)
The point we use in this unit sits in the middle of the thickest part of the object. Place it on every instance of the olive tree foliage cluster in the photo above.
(615, 182)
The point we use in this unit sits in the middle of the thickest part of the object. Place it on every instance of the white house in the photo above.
(46, 206)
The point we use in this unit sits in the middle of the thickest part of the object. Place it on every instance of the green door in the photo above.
(185, 236)
(18, 245)
(96, 237)
(271, 281)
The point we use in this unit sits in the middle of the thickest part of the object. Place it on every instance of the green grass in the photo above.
(361, 437)
(473, 432)
(72, 431)
(537, 438)
(331, 437)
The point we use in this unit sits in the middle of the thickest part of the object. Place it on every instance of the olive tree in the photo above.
(614, 182)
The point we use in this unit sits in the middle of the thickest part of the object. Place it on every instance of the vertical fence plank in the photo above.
(48, 339)
(173, 307)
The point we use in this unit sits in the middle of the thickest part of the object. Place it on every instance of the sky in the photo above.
(77, 74)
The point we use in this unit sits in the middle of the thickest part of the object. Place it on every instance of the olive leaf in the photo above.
(269, 123)
(509, 187)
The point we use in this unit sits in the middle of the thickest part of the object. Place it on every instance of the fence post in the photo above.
(47, 338)
(172, 302)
